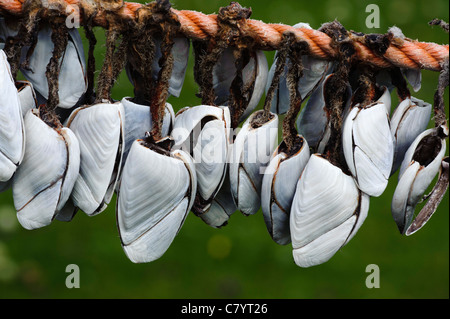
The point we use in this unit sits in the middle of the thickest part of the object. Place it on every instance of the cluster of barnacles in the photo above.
(67, 146)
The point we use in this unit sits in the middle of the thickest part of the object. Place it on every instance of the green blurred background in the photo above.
(240, 260)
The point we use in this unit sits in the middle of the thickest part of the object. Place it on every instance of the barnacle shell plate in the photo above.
(327, 211)
(410, 118)
(248, 161)
(368, 146)
(100, 134)
(72, 76)
(44, 180)
(12, 134)
(208, 129)
(414, 179)
(278, 189)
(155, 196)
(138, 121)
(27, 96)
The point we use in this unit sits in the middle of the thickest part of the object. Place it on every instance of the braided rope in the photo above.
(405, 53)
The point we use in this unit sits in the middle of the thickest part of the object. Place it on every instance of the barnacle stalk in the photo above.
(169, 27)
(295, 72)
(231, 44)
(140, 56)
(60, 40)
(336, 90)
(279, 67)
(440, 118)
(291, 156)
(238, 100)
(206, 56)
(398, 80)
(113, 63)
(27, 34)
(88, 25)
(266, 115)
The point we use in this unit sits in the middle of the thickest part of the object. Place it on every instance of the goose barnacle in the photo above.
(156, 192)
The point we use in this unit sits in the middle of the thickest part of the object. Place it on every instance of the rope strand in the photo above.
(410, 54)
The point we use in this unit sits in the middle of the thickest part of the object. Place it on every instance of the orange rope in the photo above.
(195, 25)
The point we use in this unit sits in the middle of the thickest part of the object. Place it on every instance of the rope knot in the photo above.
(342, 40)
(234, 13)
(110, 5)
(378, 43)
(232, 21)
(54, 6)
(157, 13)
